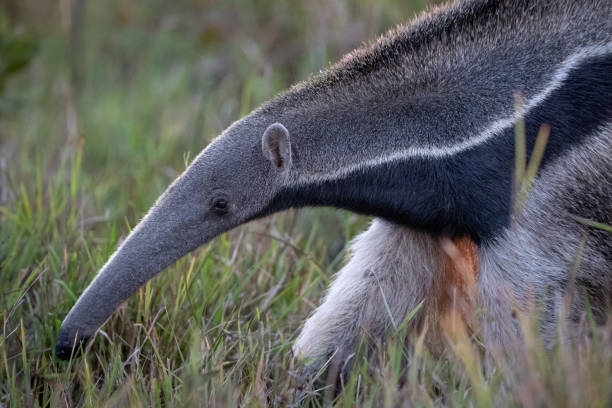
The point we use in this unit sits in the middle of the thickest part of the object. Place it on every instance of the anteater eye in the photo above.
(220, 206)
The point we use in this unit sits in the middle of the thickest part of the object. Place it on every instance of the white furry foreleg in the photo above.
(391, 271)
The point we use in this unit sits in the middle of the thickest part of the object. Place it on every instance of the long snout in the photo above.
(171, 229)
(229, 183)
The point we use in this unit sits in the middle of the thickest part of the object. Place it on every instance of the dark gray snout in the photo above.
(66, 347)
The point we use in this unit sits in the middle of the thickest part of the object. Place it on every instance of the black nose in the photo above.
(65, 348)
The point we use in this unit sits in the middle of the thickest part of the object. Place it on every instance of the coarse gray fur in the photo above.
(545, 251)
(549, 258)
(436, 87)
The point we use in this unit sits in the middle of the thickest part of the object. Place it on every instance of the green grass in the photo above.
(79, 165)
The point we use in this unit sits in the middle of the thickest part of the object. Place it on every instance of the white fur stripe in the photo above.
(493, 129)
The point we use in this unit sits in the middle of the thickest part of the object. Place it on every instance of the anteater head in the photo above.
(232, 181)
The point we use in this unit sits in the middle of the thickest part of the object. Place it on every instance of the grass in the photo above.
(83, 156)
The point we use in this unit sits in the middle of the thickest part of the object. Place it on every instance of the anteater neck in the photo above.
(464, 191)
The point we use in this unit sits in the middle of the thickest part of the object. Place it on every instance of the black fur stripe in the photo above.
(470, 192)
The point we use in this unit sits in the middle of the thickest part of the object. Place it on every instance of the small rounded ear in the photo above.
(276, 146)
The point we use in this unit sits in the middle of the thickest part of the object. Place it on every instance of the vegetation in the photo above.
(115, 102)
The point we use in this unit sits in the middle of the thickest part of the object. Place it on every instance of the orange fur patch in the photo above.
(458, 289)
